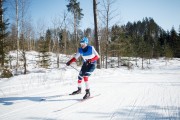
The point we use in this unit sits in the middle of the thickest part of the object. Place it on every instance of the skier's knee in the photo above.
(85, 78)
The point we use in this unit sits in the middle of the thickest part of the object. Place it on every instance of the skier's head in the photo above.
(84, 42)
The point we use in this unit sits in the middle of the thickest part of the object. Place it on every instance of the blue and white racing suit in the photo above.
(88, 54)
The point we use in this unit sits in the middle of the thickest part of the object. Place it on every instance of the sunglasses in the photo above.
(82, 43)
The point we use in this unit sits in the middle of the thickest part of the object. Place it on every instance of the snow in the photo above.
(150, 94)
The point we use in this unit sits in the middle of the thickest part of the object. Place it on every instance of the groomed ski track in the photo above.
(125, 95)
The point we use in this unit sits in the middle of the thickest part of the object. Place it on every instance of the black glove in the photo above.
(72, 60)
(88, 61)
(68, 63)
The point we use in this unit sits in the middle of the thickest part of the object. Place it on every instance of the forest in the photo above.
(139, 39)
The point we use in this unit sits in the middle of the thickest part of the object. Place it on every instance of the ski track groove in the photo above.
(30, 107)
(35, 103)
(170, 101)
(134, 112)
(62, 112)
(32, 95)
(12, 113)
(133, 106)
(115, 112)
(164, 105)
(143, 100)
(168, 106)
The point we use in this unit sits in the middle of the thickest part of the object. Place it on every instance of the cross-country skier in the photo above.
(90, 56)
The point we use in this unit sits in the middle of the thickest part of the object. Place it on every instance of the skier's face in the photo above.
(83, 45)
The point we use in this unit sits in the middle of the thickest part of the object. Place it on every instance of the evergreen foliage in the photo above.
(3, 35)
(6, 73)
(44, 47)
(148, 40)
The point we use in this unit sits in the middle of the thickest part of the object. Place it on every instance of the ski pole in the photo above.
(74, 68)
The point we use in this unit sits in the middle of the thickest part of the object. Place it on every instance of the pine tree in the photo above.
(177, 45)
(168, 52)
(48, 40)
(74, 8)
(174, 41)
(44, 60)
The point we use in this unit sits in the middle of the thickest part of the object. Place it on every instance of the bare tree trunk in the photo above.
(119, 58)
(107, 17)
(142, 62)
(17, 33)
(23, 29)
(24, 59)
(64, 40)
(107, 31)
(23, 7)
(96, 32)
(75, 32)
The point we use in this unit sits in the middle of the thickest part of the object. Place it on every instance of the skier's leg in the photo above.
(79, 81)
(81, 74)
(86, 81)
(88, 72)
(79, 88)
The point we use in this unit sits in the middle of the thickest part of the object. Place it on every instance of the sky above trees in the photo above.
(164, 12)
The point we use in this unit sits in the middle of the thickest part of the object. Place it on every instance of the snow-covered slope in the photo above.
(151, 94)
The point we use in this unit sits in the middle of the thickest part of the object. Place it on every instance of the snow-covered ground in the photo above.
(150, 94)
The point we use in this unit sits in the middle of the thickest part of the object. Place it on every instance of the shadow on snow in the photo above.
(12, 100)
(152, 112)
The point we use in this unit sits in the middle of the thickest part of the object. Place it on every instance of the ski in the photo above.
(56, 96)
(79, 101)
(82, 100)
(75, 94)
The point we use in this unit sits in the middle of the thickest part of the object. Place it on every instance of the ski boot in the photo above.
(87, 95)
(76, 92)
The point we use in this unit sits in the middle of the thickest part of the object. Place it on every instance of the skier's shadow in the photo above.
(58, 98)
(12, 100)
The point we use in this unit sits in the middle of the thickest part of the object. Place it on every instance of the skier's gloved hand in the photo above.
(72, 60)
(88, 61)
(68, 63)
